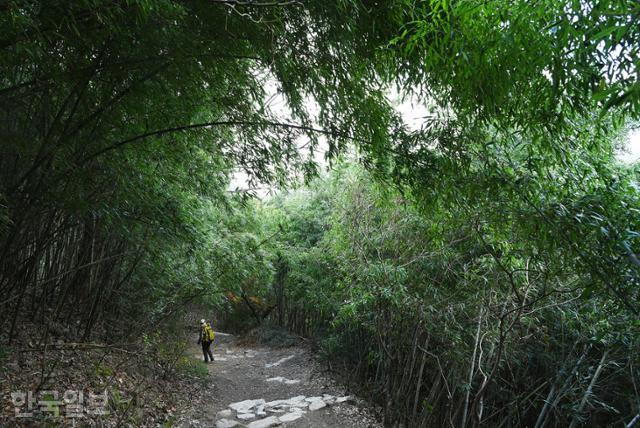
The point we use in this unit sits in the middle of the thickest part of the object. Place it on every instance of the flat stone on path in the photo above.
(226, 413)
(265, 423)
(246, 416)
(290, 417)
(295, 399)
(283, 380)
(226, 423)
(316, 405)
(246, 405)
(280, 361)
(329, 399)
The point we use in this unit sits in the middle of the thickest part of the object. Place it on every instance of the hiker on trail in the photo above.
(206, 338)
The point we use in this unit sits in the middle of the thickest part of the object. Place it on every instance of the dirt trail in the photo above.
(295, 392)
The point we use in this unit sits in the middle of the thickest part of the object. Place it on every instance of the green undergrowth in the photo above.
(192, 367)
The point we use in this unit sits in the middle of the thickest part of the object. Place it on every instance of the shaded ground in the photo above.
(241, 372)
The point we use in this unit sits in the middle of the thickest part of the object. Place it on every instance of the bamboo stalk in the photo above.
(589, 390)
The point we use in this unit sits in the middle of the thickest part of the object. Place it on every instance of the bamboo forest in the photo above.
(320, 213)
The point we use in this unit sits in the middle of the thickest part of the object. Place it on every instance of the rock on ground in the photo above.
(226, 423)
(245, 406)
(317, 405)
(280, 361)
(265, 423)
(226, 413)
(290, 417)
(246, 416)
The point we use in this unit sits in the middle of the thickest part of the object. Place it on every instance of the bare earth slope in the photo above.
(286, 386)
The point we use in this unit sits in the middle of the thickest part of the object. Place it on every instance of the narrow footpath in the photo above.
(263, 387)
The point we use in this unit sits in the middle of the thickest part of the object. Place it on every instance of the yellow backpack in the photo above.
(208, 333)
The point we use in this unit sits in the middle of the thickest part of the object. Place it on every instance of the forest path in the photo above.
(260, 387)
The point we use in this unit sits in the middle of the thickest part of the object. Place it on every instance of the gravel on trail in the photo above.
(258, 387)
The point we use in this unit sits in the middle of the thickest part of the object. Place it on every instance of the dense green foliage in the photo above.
(475, 269)
(446, 316)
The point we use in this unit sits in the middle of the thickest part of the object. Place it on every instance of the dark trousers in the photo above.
(206, 350)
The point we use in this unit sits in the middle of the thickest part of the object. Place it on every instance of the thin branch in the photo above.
(165, 131)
